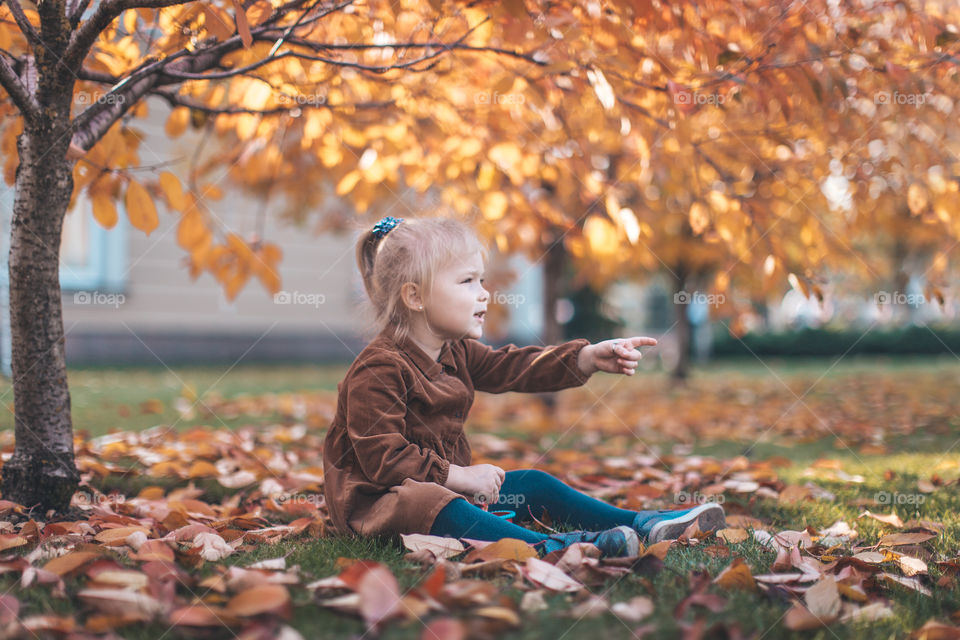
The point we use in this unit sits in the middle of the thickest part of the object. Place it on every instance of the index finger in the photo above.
(639, 341)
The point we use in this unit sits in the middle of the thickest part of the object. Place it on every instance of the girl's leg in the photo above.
(460, 519)
(539, 490)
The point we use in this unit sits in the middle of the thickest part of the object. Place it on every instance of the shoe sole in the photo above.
(709, 517)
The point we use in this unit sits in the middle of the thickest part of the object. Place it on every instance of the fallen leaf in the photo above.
(633, 610)
(11, 540)
(444, 629)
(43, 623)
(268, 598)
(212, 546)
(66, 564)
(823, 599)
(379, 596)
(122, 602)
(896, 539)
(736, 576)
(440, 546)
(505, 549)
(935, 630)
(533, 601)
(911, 566)
(891, 519)
(590, 607)
(117, 536)
(546, 575)
(9, 609)
(867, 613)
(732, 536)
(200, 616)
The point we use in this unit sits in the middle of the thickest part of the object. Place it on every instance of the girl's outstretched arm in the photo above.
(526, 369)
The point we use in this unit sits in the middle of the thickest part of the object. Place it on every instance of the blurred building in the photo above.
(128, 297)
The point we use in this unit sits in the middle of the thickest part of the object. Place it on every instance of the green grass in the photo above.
(106, 399)
(97, 394)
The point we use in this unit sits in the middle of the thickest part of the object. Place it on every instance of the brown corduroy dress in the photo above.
(399, 424)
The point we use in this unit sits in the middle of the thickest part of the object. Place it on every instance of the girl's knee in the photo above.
(524, 480)
(537, 475)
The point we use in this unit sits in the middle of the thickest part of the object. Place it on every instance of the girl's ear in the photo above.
(410, 294)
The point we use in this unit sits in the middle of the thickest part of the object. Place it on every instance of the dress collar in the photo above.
(431, 368)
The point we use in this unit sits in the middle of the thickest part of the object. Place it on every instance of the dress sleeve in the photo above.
(375, 418)
(525, 369)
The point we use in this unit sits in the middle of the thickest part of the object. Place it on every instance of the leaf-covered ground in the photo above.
(839, 480)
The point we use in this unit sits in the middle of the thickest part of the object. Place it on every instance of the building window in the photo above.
(93, 258)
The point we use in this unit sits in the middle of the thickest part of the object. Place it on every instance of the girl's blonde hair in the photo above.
(413, 251)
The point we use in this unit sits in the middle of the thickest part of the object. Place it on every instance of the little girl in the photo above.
(396, 458)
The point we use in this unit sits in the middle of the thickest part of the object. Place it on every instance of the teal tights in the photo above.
(529, 492)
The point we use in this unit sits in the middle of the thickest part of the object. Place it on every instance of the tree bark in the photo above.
(553, 264)
(42, 472)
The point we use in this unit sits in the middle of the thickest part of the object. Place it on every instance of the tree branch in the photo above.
(25, 27)
(176, 100)
(75, 9)
(106, 12)
(103, 114)
(18, 93)
(299, 20)
(94, 122)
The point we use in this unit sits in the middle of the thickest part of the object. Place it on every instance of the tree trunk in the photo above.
(42, 472)
(553, 264)
(681, 302)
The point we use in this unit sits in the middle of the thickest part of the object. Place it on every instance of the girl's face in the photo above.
(456, 306)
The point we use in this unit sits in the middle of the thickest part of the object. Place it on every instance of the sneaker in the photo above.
(620, 541)
(669, 524)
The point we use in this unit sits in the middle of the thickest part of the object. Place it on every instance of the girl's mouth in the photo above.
(479, 315)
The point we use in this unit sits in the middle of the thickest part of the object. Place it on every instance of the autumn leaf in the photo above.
(140, 208)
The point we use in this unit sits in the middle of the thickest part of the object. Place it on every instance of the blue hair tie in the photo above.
(383, 227)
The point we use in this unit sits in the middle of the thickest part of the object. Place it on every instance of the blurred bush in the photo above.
(911, 339)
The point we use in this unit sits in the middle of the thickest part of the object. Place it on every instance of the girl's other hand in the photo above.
(479, 482)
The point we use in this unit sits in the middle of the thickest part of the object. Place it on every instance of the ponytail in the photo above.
(366, 254)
